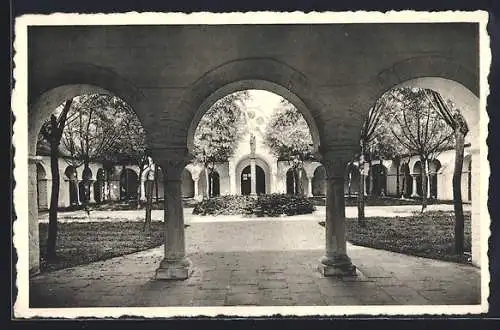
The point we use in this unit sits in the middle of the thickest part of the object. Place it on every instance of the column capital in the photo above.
(172, 160)
(335, 164)
(335, 160)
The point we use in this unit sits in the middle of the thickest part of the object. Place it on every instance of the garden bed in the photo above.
(380, 201)
(271, 205)
(82, 243)
(429, 235)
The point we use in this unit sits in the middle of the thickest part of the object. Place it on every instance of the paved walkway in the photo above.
(138, 215)
(258, 262)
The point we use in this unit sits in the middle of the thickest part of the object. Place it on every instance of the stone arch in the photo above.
(41, 187)
(444, 75)
(254, 73)
(70, 80)
(318, 181)
(244, 162)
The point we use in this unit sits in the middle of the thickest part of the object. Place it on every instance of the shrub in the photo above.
(272, 205)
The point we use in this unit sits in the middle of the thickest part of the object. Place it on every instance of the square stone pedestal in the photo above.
(174, 270)
(340, 269)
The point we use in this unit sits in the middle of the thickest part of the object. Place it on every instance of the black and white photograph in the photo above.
(251, 164)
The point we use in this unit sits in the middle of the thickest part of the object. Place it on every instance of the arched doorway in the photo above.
(128, 184)
(246, 180)
(351, 184)
(292, 182)
(72, 178)
(405, 179)
(84, 185)
(318, 181)
(41, 187)
(378, 174)
(417, 170)
(187, 184)
(434, 166)
(99, 194)
(213, 184)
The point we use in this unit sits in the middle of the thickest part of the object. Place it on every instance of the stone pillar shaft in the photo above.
(34, 240)
(414, 186)
(364, 185)
(253, 177)
(309, 187)
(174, 221)
(335, 261)
(196, 192)
(175, 265)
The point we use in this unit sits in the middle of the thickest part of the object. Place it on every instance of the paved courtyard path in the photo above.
(138, 215)
(258, 262)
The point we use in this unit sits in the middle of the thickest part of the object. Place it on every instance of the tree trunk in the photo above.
(139, 186)
(54, 201)
(457, 192)
(207, 183)
(404, 183)
(423, 179)
(349, 177)
(361, 194)
(148, 187)
(397, 178)
(156, 184)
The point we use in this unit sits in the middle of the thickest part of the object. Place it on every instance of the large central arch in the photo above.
(262, 74)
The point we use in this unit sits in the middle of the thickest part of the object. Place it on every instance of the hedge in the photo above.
(271, 205)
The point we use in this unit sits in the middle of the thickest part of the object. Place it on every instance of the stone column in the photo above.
(253, 177)
(309, 187)
(34, 240)
(143, 187)
(335, 262)
(175, 265)
(428, 186)
(91, 192)
(196, 193)
(414, 186)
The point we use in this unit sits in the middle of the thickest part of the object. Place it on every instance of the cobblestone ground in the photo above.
(258, 263)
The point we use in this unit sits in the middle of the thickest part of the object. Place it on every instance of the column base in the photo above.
(338, 266)
(174, 270)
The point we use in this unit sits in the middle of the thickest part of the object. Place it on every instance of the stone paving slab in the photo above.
(266, 263)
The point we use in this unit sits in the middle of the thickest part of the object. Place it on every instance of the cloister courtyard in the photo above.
(252, 164)
(256, 261)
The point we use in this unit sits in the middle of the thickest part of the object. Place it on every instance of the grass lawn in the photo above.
(429, 235)
(82, 243)
(381, 201)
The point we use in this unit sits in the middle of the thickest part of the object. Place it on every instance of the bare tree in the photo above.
(456, 121)
(52, 132)
(417, 127)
